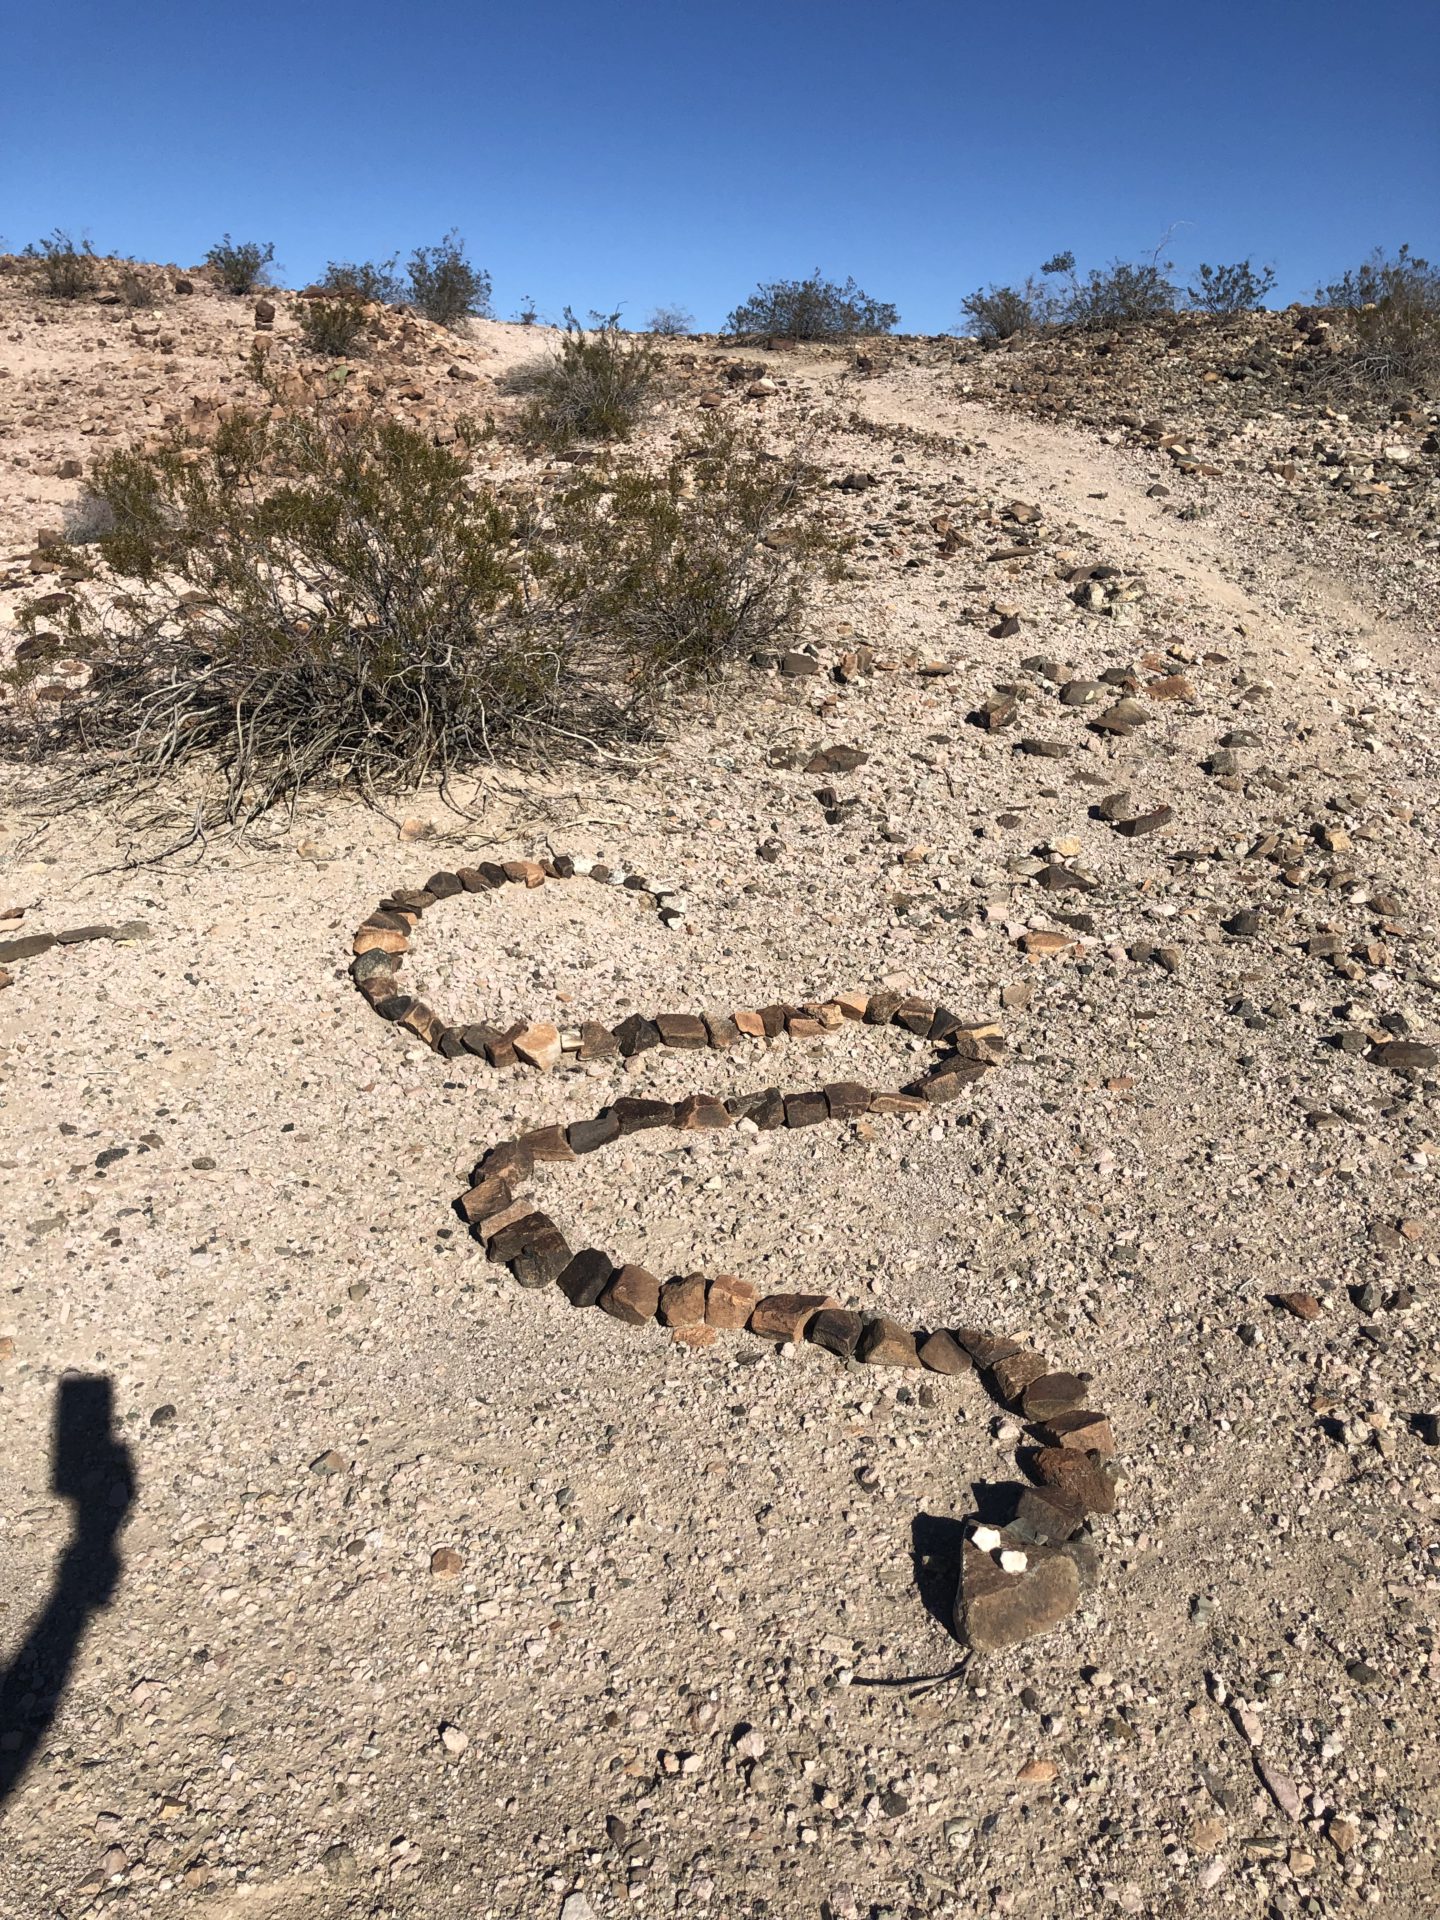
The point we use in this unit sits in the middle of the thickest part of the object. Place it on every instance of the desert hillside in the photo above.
(1074, 863)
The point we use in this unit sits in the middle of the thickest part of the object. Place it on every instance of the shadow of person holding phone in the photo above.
(91, 1467)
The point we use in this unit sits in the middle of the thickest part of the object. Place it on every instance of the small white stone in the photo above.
(987, 1539)
(454, 1739)
(1012, 1561)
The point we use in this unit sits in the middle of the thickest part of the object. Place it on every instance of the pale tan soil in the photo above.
(661, 1548)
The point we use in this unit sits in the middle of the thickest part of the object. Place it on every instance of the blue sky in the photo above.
(625, 153)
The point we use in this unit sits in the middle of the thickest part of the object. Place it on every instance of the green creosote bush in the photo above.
(364, 281)
(670, 323)
(1121, 293)
(359, 611)
(812, 309)
(1391, 320)
(240, 265)
(1002, 313)
(598, 384)
(445, 286)
(332, 327)
(1231, 289)
(66, 272)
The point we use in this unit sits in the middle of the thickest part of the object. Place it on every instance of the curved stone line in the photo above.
(1016, 1580)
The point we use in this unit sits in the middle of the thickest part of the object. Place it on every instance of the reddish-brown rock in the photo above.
(730, 1301)
(785, 1316)
(632, 1296)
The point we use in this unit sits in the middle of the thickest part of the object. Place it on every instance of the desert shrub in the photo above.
(1000, 313)
(363, 281)
(670, 322)
(66, 272)
(136, 288)
(240, 265)
(1392, 323)
(813, 309)
(87, 519)
(330, 598)
(445, 286)
(699, 564)
(333, 327)
(597, 385)
(527, 313)
(1124, 291)
(1233, 289)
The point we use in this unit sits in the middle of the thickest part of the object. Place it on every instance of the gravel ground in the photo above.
(648, 1676)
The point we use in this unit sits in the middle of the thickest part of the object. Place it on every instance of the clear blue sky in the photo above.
(631, 152)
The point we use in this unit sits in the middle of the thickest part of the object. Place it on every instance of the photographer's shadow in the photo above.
(91, 1467)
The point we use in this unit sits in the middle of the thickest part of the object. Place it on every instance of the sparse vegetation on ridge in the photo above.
(240, 266)
(597, 385)
(812, 309)
(66, 271)
(445, 286)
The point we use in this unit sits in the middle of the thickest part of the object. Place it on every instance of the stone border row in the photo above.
(1016, 1580)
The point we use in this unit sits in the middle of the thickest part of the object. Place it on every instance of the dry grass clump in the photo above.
(330, 598)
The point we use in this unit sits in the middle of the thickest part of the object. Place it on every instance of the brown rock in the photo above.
(701, 1110)
(730, 1301)
(444, 886)
(548, 1143)
(694, 1336)
(846, 1100)
(1013, 1374)
(986, 1349)
(1048, 1516)
(682, 1301)
(1075, 1474)
(1081, 1430)
(852, 1005)
(765, 1109)
(1404, 1056)
(785, 1316)
(424, 1023)
(722, 1030)
(682, 1030)
(510, 1232)
(486, 1199)
(1304, 1306)
(994, 1609)
(636, 1115)
(527, 873)
(512, 1160)
(837, 1331)
(805, 1109)
(885, 1343)
(585, 1136)
(380, 940)
(587, 1277)
(635, 1034)
(749, 1022)
(1053, 1393)
(597, 1042)
(446, 1564)
(632, 1296)
(942, 1353)
(542, 1259)
(897, 1103)
(538, 1045)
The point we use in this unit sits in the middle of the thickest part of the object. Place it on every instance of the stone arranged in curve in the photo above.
(1015, 1581)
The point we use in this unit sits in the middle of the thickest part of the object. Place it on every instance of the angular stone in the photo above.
(475, 879)
(1140, 824)
(1405, 1056)
(802, 1025)
(722, 1030)
(682, 1030)
(837, 1330)
(548, 1143)
(846, 1100)
(366, 966)
(504, 1241)
(444, 885)
(367, 940)
(730, 1301)
(748, 1022)
(528, 873)
(986, 1349)
(805, 1109)
(538, 1045)
(696, 1336)
(1080, 1430)
(396, 1008)
(1077, 1475)
(772, 1019)
(512, 1160)
(995, 1609)
(1043, 941)
(1053, 1393)
(852, 1005)
(682, 1301)
(424, 1023)
(635, 1034)
(586, 1135)
(897, 1103)
(484, 1200)
(449, 1045)
(1047, 1515)
(880, 1008)
(410, 899)
(943, 1353)
(597, 1042)
(1015, 1372)
(785, 1316)
(701, 1110)
(542, 1259)
(885, 1343)
(636, 1115)
(632, 1296)
(916, 1016)
(765, 1109)
(1304, 1306)
(496, 1047)
(587, 1277)
(948, 1079)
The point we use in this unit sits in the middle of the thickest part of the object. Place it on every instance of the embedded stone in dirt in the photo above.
(632, 1296)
